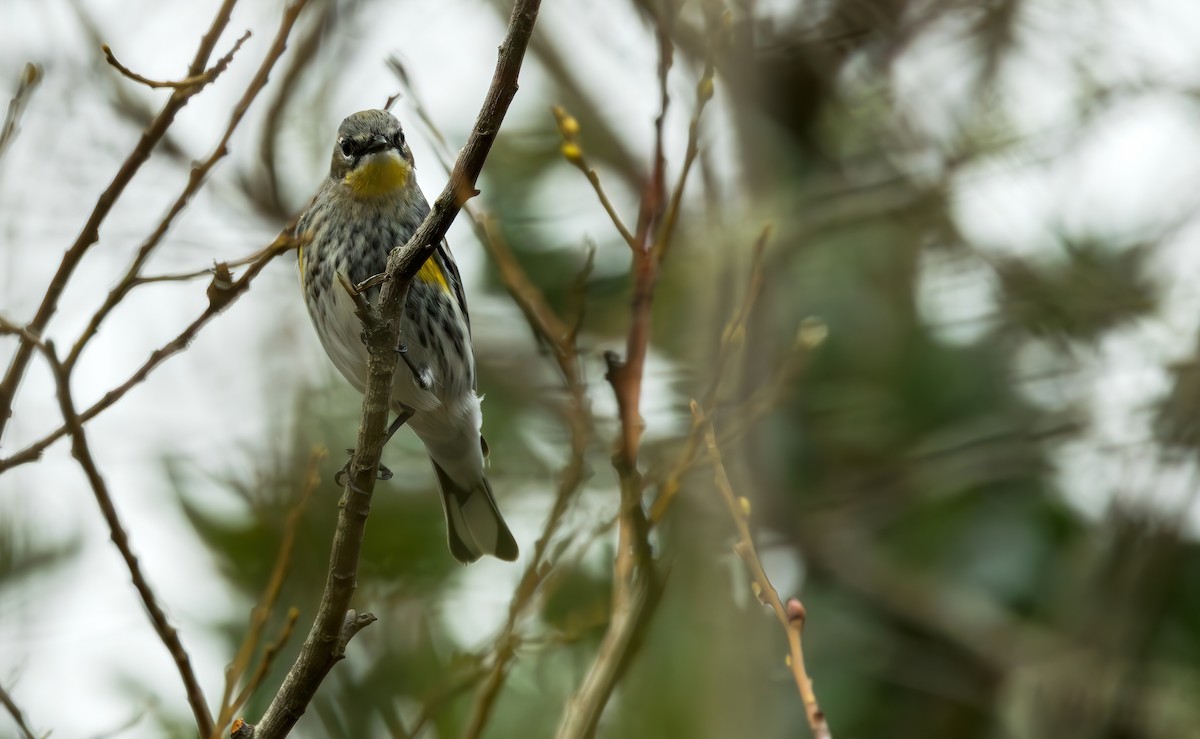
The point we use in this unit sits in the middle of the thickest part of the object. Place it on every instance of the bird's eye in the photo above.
(348, 148)
(398, 138)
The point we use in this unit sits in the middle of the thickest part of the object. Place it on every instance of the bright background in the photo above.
(982, 485)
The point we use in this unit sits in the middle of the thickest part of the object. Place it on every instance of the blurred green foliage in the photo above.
(904, 483)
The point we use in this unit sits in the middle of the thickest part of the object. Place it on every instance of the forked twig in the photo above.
(81, 450)
(90, 233)
(335, 622)
(196, 178)
(194, 80)
(792, 615)
(236, 670)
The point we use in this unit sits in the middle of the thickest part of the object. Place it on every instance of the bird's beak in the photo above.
(378, 143)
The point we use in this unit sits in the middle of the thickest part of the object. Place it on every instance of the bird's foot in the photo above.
(342, 475)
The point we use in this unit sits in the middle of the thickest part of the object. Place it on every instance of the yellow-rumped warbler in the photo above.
(369, 204)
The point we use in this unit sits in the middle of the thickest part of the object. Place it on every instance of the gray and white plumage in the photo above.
(369, 204)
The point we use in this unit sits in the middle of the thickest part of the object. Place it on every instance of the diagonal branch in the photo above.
(90, 233)
(195, 80)
(335, 622)
(158, 618)
(791, 616)
(17, 716)
(259, 615)
(31, 77)
(196, 178)
(222, 292)
(560, 336)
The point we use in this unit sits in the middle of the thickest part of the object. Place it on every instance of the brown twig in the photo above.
(90, 233)
(732, 338)
(335, 623)
(572, 151)
(195, 80)
(635, 589)
(266, 604)
(196, 178)
(270, 652)
(31, 77)
(268, 196)
(792, 615)
(17, 716)
(560, 337)
(704, 93)
(503, 648)
(206, 272)
(222, 293)
(158, 618)
(610, 144)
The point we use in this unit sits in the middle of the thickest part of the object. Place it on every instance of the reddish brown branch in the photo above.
(552, 331)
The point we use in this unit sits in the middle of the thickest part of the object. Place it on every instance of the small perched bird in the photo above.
(369, 204)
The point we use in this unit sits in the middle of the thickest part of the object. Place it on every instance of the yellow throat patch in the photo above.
(379, 175)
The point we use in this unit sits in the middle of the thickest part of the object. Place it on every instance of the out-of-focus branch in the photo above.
(609, 143)
(158, 618)
(222, 292)
(195, 80)
(267, 195)
(732, 338)
(635, 587)
(554, 332)
(568, 128)
(91, 229)
(335, 623)
(196, 178)
(791, 616)
(31, 77)
(236, 670)
(17, 716)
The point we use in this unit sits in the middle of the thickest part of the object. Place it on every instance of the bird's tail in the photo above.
(474, 524)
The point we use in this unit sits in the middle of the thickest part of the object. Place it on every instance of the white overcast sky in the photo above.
(1131, 170)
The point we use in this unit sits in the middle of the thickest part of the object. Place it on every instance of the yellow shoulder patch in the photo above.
(432, 274)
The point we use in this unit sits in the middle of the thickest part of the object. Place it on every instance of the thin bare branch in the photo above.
(158, 618)
(560, 337)
(17, 716)
(196, 80)
(704, 92)
(259, 615)
(267, 196)
(572, 151)
(90, 233)
(31, 77)
(792, 616)
(335, 622)
(732, 338)
(196, 178)
(635, 583)
(222, 293)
